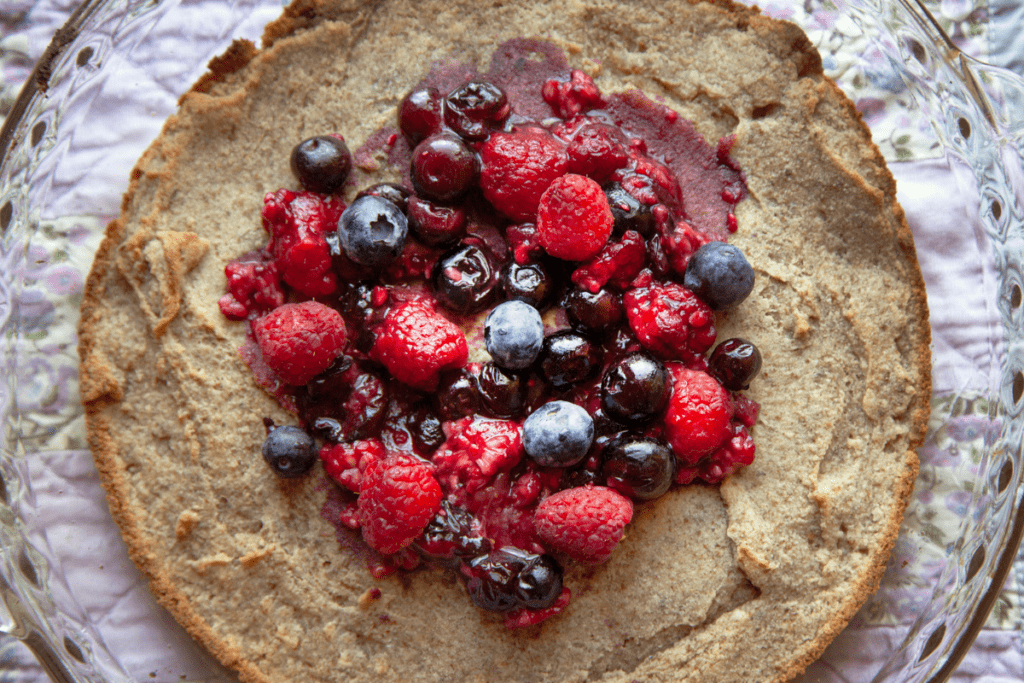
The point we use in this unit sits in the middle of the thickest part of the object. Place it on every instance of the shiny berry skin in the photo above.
(574, 220)
(503, 393)
(372, 231)
(443, 168)
(568, 358)
(628, 212)
(514, 334)
(510, 578)
(289, 451)
(435, 225)
(476, 109)
(594, 312)
(458, 394)
(396, 194)
(635, 389)
(517, 167)
(639, 467)
(419, 114)
(558, 434)
(697, 420)
(734, 363)
(299, 341)
(529, 283)
(453, 533)
(720, 275)
(322, 164)
(465, 279)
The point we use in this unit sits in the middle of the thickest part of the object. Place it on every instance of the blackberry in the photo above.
(720, 275)
(289, 451)
(464, 279)
(514, 334)
(734, 363)
(321, 163)
(568, 358)
(558, 434)
(635, 389)
(639, 467)
(372, 231)
(443, 168)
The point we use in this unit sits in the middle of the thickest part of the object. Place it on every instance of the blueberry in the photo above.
(734, 363)
(435, 225)
(595, 313)
(503, 393)
(635, 389)
(396, 194)
(419, 114)
(322, 163)
(458, 394)
(465, 280)
(628, 212)
(639, 467)
(289, 451)
(514, 335)
(509, 578)
(568, 358)
(558, 434)
(372, 231)
(443, 168)
(476, 109)
(527, 282)
(719, 274)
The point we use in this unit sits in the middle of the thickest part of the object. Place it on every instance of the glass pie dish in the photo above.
(114, 73)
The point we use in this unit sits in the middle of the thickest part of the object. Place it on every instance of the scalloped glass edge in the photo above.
(971, 106)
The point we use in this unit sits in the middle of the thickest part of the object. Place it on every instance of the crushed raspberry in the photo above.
(299, 341)
(597, 151)
(574, 220)
(523, 617)
(415, 343)
(670, 321)
(585, 523)
(737, 452)
(254, 286)
(745, 409)
(680, 241)
(298, 223)
(618, 263)
(398, 497)
(517, 167)
(649, 181)
(697, 420)
(577, 95)
(476, 450)
(346, 462)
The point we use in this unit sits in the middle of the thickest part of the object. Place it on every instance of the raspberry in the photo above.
(597, 151)
(570, 98)
(254, 285)
(398, 497)
(619, 263)
(299, 341)
(737, 452)
(416, 344)
(516, 169)
(585, 523)
(697, 420)
(298, 223)
(670, 321)
(574, 220)
(345, 463)
(523, 617)
(476, 450)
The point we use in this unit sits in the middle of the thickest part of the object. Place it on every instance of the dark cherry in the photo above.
(289, 451)
(322, 163)
(476, 109)
(596, 313)
(628, 212)
(529, 282)
(419, 114)
(635, 389)
(568, 358)
(443, 168)
(458, 394)
(509, 578)
(453, 533)
(436, 225)
(396, 194)
(639, 467)
(464, 278)
(735, 362)
(503, 393)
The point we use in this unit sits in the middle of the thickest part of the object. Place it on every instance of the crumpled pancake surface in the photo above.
(746, 582)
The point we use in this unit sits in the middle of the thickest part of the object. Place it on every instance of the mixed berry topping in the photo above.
(497, 357)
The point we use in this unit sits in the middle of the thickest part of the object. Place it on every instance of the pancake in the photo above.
(746, 581)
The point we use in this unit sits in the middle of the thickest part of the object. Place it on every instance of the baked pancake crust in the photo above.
(744, 582)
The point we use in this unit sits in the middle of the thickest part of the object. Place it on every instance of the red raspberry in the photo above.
(398, 497)
(346, 462)
(570, 98)
(475, 451)
(253, 285)
(597, 151)
(415, 343)
(619, 263)
(299, 341)
(697, 421)
(670, 321)
(522, 617)
(737, 452)
(517, 167)
(585, 523)
(298, 223)
(574, 220)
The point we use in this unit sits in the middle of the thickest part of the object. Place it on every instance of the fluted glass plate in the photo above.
(100, 96)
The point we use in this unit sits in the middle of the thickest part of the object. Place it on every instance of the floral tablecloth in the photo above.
(986, 29)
